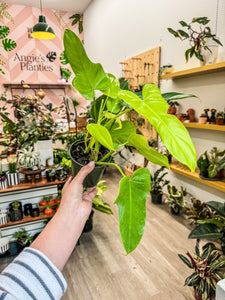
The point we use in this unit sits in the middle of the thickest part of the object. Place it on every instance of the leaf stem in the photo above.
(106, 156)
(111, 164)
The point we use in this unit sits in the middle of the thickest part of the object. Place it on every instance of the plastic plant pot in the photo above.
(93, 178)
(156, 198)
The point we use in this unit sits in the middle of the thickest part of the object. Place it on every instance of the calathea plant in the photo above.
(108, 131)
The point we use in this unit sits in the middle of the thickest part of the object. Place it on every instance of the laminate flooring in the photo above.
(99, 268)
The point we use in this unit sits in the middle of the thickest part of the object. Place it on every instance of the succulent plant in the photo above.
(28, 158)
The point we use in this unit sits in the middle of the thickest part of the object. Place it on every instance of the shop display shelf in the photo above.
(207, 69)
(205, 126)
(185, 171)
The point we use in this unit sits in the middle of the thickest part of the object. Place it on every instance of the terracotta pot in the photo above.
(81, 122)
(172, 110)
(202, 120)
(191, 114)
(219, 121)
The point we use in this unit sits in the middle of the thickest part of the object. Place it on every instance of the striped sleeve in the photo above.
(31, 276)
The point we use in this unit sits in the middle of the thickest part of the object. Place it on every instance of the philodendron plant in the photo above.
(112, 133)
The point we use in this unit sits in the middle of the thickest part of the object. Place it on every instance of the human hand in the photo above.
(73, 198)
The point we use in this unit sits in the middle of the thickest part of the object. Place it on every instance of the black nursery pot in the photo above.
(156, 198)
(27, 209)
(93, 178)
(50, 178)
(175, 210)
(89, 223)
(15, 215)
(21, 246)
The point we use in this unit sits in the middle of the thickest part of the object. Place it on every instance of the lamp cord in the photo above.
(41, 6)
(217, 12)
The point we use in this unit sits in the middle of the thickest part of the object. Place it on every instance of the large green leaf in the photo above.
(4, 31)
(206, 231)
(101, 134)
(89, 76)
(177, 96)
(131, 202)
(8, 44)
(217, 206)
(121, 135)
(141, 145)
(219, 221)
(172, 132)
(114, 88)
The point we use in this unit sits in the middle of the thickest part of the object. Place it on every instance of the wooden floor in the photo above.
(99, 269)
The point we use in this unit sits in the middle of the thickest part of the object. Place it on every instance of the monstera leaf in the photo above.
(172, 132)
(8, 44)
(132, 210)
(4, 31)
(89, 76)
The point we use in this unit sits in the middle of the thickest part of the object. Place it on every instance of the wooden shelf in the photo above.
(183, 170)
(28, 219)
(218, 67)
(29, 185)
(205, 126)
(36, 85)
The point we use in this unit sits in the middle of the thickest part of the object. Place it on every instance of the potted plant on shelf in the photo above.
(219, 118)
(157, 183)
(51, 174)
(211, 164)
(198, 39)
(202, 119)
(175, 199)
(208, 265)
(108, 133)
(23, 238)
(3, 178)
(12, 174)
(15, 211)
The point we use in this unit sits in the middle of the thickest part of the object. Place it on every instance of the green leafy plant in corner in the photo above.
(208, 266)
(110, 131)
(197, 38)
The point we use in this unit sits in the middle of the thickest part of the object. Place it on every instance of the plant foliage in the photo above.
(109, 131)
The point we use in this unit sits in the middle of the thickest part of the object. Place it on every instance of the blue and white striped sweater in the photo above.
(31, 276)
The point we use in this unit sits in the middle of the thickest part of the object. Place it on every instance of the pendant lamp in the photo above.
(42, 31)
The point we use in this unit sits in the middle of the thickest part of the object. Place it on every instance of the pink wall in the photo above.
(28, 60)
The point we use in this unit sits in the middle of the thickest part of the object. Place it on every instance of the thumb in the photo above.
(84, 172)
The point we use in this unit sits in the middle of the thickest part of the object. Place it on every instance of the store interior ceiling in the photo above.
(78, 6)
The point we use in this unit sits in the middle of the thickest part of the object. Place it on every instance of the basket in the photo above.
(4, 245)
(3, 216)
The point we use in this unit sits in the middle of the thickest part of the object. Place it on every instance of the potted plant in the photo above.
(157, 183)
(219, 118)
(199, 210)
(15, 211)
(175, 199)
(213, 116)
(28, 158)
(211, 164)
(208, 265)
(197, 38)
(23, 238)
(12, 174)
(108, 133)
(212, 227)
(61, 172)
(202, 119)
(51, 174)
(3, 178)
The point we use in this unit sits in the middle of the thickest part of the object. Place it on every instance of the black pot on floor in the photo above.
(175, 210)
(156, 198)
(21, 246)
(93, 178)
(89, 223)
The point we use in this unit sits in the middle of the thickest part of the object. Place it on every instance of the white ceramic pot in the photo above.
(210, 57)
(44, 147)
